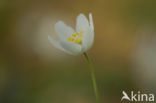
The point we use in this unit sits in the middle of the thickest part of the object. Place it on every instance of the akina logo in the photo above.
(138, 97)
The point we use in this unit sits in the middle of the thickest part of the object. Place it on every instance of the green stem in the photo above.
(93, 77)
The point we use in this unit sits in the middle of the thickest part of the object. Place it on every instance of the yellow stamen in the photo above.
(77, 33)
(73, 40)
(74, 35)
(76, 38)
(79, 40)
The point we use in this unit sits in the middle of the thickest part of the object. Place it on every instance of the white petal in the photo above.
(82, 23)
(91, 21)
(63, 30)
(74, 49)
(57, 44)
(88, 40)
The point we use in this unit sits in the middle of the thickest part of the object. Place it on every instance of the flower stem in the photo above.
(93, 77)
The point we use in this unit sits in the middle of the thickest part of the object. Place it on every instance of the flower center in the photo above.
(76, 38)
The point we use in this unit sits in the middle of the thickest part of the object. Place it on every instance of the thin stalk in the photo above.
(93, 78)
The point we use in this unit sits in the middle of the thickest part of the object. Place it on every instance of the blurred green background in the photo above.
(33, 71)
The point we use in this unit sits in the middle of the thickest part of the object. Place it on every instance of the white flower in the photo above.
(74, 41)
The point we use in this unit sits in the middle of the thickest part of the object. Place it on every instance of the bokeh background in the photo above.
(123, 54)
